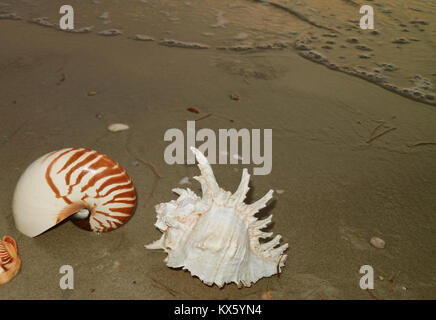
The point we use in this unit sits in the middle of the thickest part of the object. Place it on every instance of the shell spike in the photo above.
(278, 252)
(158, 244)
(179, 191)
(259, 204)
(209, 185)
(260, 224)
(260, 234)
(271, 244)
(241, 192)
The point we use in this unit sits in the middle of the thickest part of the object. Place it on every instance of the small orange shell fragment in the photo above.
(235, 96)
(193, 110)
(266, 295)
(10, 262)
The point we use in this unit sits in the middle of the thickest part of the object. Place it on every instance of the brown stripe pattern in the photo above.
(78, 175)
(5, 257)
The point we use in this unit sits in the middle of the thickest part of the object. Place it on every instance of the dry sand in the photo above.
(343, 182)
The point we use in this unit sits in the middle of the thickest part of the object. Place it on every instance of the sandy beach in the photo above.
(353, 154)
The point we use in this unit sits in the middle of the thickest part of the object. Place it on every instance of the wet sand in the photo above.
(344, 181)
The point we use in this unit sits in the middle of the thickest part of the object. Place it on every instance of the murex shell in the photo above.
(82, 183)
(216, 237)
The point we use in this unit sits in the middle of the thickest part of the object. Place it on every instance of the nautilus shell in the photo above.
(88, 186)
(10, 262)
(216, 237)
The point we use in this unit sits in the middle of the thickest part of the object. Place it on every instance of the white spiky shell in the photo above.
(73, 181)
(216, 237)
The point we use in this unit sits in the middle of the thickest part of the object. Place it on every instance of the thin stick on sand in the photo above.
(159, 285)
(311, 292)
(423, 143)
(376, 128)
(148, 164)
(380, 134)
(204, 117)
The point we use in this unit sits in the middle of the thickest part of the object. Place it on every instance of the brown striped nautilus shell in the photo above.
(84, 184)
(10, 262)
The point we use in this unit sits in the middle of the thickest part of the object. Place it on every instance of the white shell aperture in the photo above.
(216, 237)
(77, 182)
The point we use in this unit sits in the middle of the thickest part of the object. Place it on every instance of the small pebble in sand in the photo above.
(184, 180)
(377, 242)
(235, 96)
(280, 191)
(115, 127)
(92, 93)
(381, 278)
